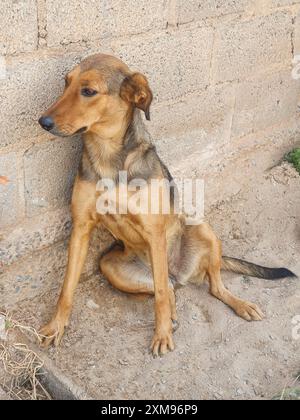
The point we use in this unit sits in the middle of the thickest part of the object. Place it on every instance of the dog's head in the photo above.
(100, 93)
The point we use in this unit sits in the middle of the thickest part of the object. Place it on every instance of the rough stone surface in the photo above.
(18, 26)
(264, 101)
(34, 275)
(245, 48)
(10, 203)
(224, 177)
(49, 171)
(39, 272)
(33, 235)
(209, 112)
(180, 61)
(297, 35)
(280, 3)
(31, 86)
(94, 19)
(191, 10)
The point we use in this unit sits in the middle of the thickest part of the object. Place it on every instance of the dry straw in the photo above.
(22, 366)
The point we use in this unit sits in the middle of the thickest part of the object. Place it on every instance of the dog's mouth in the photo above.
(47, 122)
(81, 130)
(59, 133)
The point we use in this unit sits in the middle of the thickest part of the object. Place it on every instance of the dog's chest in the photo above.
(124, 228)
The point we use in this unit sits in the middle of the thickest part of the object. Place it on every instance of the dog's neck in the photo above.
(105, 151)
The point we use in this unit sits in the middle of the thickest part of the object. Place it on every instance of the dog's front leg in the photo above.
(162, 341)
(78, 249)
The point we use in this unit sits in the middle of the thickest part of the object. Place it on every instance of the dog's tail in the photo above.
(244, 267)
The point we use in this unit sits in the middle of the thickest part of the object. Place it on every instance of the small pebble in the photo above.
(3, 332)
(92, 305)
(123, 362)
(272, 337)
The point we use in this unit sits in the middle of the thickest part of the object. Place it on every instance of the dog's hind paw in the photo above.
(249, 311)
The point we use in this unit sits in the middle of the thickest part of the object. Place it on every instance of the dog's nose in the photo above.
(47, 123)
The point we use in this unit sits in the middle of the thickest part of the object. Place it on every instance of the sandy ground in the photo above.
(218, 355)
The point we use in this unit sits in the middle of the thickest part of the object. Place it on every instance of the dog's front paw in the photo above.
(52, 332)
(162, 343)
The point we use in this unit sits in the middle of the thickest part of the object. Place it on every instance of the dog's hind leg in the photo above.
(201, 259)
(246, 310)
(128, 273)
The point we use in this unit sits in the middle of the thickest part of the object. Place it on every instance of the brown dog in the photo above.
(102, 99)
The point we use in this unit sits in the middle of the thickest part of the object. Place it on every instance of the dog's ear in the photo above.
(135, 90)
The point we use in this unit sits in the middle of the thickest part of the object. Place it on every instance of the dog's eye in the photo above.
(88, 92)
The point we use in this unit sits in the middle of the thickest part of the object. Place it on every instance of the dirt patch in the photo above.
(218, 355)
